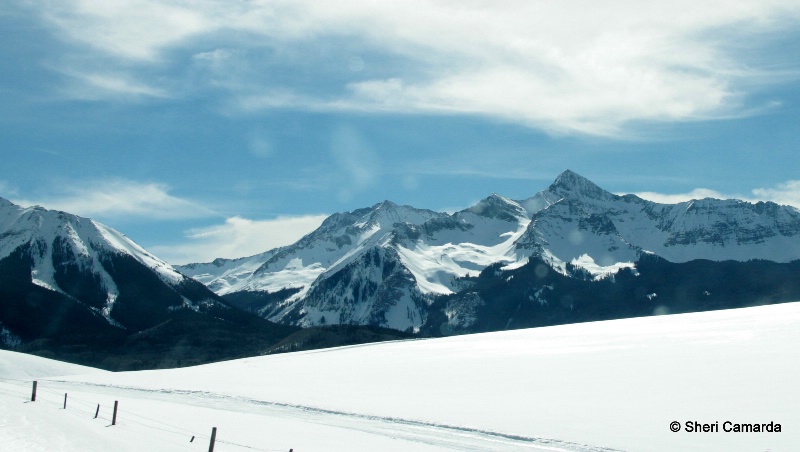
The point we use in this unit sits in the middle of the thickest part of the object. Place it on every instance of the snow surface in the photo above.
(613, 385)
(222, 275)
(21, 366)
(600, 271)
(435, 266)
(123, 244)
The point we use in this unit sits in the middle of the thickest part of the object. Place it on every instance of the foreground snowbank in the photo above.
(617, 384)
(20, 366)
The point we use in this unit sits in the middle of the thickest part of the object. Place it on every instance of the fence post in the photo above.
(96, 413)
(65, 400)
(33, 392)
(213, 439)
(114, 417)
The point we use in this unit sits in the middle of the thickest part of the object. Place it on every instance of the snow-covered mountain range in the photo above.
(570, 253)
(385, 265)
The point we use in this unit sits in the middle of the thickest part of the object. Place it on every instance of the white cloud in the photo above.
(786, 193)
(697, 193)
(238, 237)
(131, 29)
(568, 66)
(120, 198)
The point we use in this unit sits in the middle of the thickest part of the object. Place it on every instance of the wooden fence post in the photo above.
(213, 439)
(114, 417)
(33, 392)
(65, 400)
(96, 413)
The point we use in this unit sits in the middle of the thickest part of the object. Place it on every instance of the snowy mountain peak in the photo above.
(385, 214)
(59, 240)
(570, 184)
(499, 207)
(385, 204)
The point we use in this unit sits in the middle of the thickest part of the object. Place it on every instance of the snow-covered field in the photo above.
(613, 385)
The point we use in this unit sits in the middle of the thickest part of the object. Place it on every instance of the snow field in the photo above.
(148, 421)
(613, 385)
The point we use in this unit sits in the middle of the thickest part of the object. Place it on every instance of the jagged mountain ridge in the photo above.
(573, 225)
(593, 228)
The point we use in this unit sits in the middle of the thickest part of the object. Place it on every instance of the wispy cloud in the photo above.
(131, 29)
(238, 237)
(565, 67)
(100, 86)
(120, 198)
(786, 193)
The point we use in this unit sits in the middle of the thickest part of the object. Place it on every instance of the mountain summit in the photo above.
(570, 183)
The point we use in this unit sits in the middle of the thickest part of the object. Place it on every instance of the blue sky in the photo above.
(224, 128)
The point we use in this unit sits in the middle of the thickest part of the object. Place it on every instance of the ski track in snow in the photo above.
(453, 437)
